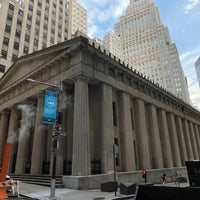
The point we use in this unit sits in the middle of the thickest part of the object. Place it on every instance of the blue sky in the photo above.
(182, 17)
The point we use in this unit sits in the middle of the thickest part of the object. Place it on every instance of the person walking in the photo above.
(144, 175)
(163, 178)
(176, 178)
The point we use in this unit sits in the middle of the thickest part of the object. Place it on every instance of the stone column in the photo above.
(165, 141)
(193, 141)
(187, 140)
(81, 161)
(12, 135)
(142, 139)
(24, 144)
(181, 139)
(126, 134)
(107, 129)
(4, 123)
(197, 139)
(154, 137)
(65, 105)
(173, 140)
(39, 140)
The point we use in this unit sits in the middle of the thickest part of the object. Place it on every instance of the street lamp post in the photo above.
(56, 131)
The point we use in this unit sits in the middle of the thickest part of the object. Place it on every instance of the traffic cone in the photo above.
(5, 163)
(3, 194)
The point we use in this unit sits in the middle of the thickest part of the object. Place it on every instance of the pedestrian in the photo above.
(176, 178)
(163, 178)
(144, 175)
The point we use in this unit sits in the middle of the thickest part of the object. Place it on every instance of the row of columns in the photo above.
(162, 138)
(169, 141)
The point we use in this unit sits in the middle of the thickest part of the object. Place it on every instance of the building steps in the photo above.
(39, 179)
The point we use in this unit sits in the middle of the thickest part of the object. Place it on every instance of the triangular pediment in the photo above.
(25, 65)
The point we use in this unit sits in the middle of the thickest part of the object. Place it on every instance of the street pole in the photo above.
(115, 152)
(56, 131)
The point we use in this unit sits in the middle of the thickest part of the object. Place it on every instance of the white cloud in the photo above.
(188, 60)
(92, 30)
(120, 7)
(194, 92)
(101, 13)
(191, 5)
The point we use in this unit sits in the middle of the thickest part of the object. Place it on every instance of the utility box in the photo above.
(193, 169)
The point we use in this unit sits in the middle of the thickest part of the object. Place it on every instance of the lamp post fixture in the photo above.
(56, 131)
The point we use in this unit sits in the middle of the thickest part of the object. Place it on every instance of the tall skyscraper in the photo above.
(197, 66)
(146, 46)
(30, 25)
(77, 18)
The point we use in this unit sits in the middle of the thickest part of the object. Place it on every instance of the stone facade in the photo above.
(103, 102)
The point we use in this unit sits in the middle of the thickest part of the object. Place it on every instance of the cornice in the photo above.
(116, 69)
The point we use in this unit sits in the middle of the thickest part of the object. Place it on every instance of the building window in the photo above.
(17, 33)
(6, 41)
(16, 45)
(4, 54)
(44, 45)
(45, 26)
(9, 17)
(52, 31)
(29, 17)
(132, 119)
(53, 21)
(38, 12)
(2, 67)
(59, 35)
(114, 113)
(25, 50)
(19, 22)
(36, 31)
(39, 4)
(35, 42)
(46, 17)
(44, 36)
(38, 22)
(27, 38)
(14, 57)
(21, 12)
(8, 28)
(11, 7)
(28, 27)
(30, 7)
(52, 40)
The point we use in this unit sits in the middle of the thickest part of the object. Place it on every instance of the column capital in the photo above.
(5, 112)
(81, 77)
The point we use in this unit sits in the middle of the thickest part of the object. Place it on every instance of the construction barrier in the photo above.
(4, 169)
(11, 187)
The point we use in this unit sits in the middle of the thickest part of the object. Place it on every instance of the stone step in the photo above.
(44, 180)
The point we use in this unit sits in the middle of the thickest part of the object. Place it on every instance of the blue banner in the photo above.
(50, 107)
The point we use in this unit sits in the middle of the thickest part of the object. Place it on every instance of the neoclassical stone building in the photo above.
(104, 103)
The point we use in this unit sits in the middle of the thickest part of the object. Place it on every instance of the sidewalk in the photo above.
(43, 193)
(38, 192)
